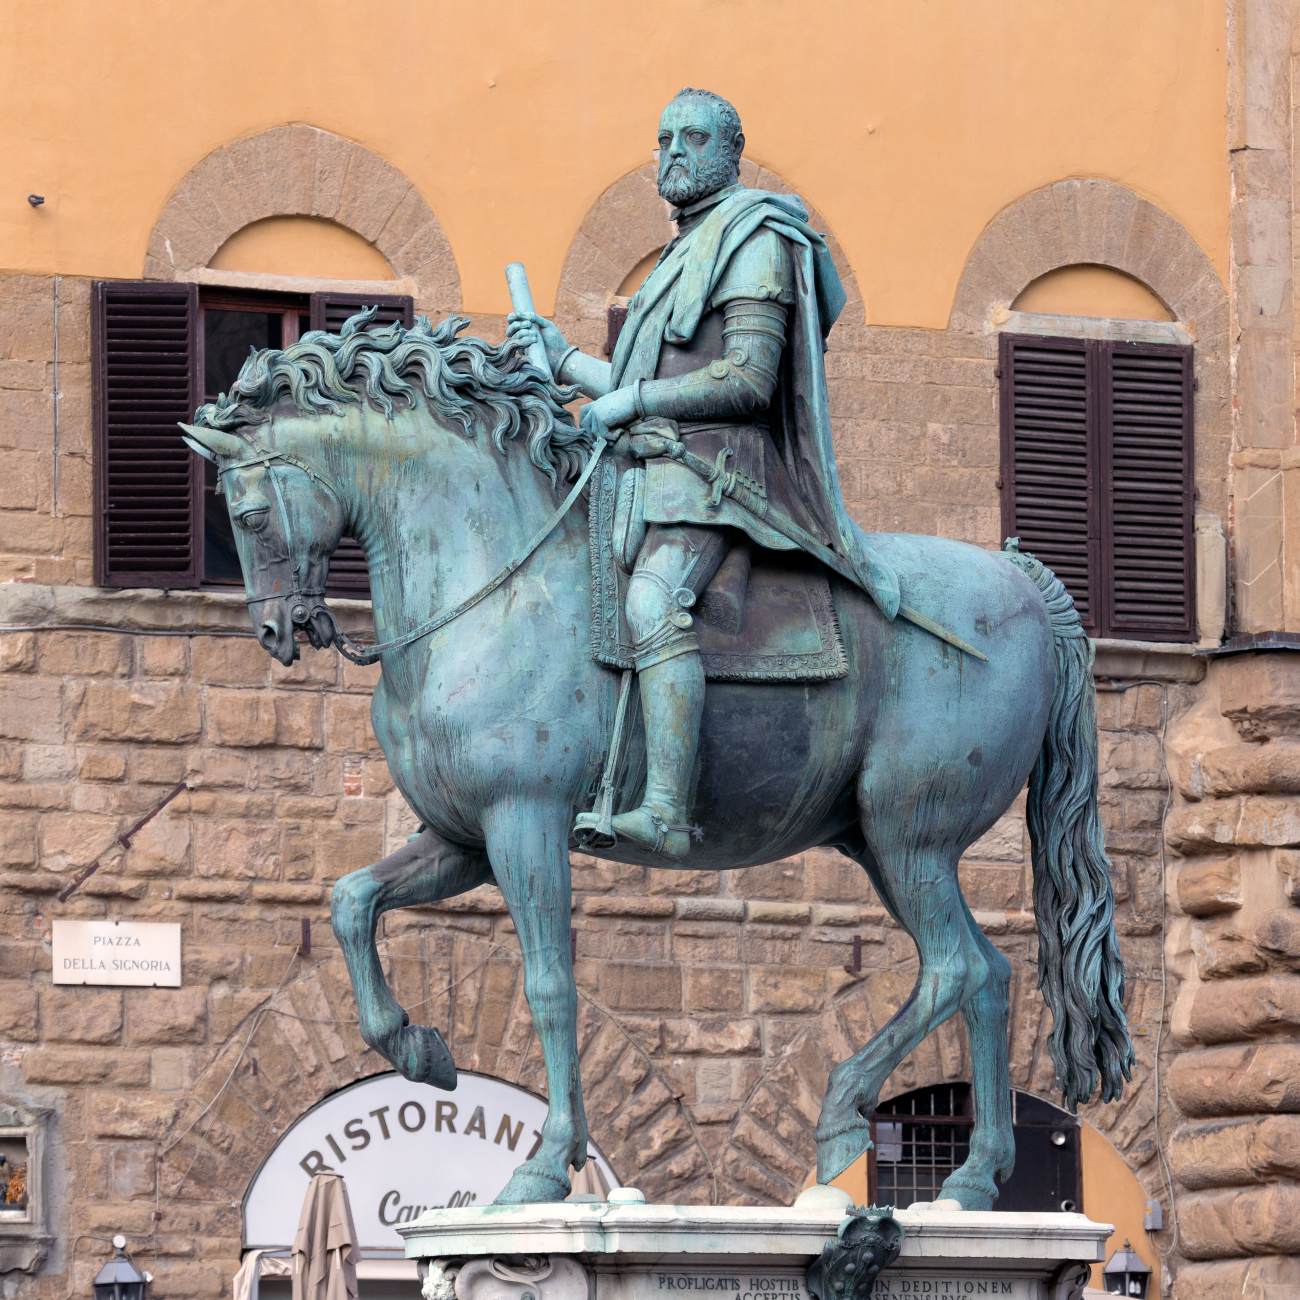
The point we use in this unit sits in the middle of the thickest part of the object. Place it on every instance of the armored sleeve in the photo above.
(737, 385)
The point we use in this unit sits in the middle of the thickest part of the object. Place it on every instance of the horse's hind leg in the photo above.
(992, 1146)
(919, 885)
(424, 870)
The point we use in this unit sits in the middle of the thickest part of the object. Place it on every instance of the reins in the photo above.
(359, 652)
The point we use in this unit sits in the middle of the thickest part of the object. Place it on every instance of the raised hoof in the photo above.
(422, 1056)
(532, 1183)
(647, 828)
(838, 1150)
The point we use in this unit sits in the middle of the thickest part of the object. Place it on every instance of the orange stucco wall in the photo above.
(908, 123)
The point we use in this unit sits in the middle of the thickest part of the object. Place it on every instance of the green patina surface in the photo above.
(449, 459)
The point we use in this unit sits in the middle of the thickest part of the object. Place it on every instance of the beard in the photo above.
(683, 183)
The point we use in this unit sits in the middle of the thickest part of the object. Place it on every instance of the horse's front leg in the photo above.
(528, 844)
(424, 870)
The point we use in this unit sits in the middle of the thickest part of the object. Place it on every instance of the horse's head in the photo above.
(287, 521)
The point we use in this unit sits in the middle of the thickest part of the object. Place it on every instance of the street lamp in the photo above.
(1125, 1274)
(119, 1279)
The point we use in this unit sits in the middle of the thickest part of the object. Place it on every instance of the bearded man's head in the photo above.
(700, 143)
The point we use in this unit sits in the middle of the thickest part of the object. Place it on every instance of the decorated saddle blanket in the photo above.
(767, 616)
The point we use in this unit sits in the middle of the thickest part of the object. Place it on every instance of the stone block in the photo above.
(1237, 1080)
(167, 1016)
(81, 1014)
(1260, 693)
(298, 720)
(712, 1036)
(31, 709)
(1223, 949)
(75, 841)
(1209, 887)
(635, 986)
(101, 764)
(18, 839)
(241, 718)
(84, 654)
(76, 1067)
(146, 711)
(715, 988)
(18, 1018)
(17, 652)
(229, 661)
(786, 988)
(114, 1115)
(347, 724)
(236, 850)
(161, 656)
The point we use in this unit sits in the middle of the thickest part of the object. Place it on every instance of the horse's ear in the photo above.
(211, 443)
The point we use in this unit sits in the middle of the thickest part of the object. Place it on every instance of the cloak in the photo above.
(669, 306)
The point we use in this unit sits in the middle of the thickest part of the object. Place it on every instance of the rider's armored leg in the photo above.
(673, 568)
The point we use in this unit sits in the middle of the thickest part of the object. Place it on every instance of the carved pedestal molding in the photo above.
(627, 1250)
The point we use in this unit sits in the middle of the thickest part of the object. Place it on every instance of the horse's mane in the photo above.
(475, 384)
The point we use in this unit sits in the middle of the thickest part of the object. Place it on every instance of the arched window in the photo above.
(923, 1136)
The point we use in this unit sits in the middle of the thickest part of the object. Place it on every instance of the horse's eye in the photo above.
(254, 519)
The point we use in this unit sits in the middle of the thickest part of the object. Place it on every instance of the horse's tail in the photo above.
(1079, 968)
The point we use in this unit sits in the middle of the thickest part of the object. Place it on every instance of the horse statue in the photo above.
(448, 459)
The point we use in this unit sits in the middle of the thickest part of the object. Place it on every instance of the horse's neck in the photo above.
(442, 524)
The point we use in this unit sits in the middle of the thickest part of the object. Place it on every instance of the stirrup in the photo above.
(662, 828)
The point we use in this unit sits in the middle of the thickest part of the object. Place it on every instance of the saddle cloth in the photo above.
(769, 619)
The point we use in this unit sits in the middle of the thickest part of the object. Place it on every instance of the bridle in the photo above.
(304, 601)
(301, 608)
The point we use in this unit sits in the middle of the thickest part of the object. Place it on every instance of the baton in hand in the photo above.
(521, 299)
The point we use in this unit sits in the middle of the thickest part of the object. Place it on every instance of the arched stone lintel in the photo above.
(629, 221)
(771, 1148)
(303, 1045)
(1094, 221)
(301, 170)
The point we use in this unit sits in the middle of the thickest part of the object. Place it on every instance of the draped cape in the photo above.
(669, 306)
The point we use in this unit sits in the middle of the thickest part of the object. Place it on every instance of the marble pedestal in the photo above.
(624, 1249)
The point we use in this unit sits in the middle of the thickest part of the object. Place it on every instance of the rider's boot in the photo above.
(672, 700)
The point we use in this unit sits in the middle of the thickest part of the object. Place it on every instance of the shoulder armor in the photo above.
(760, 270)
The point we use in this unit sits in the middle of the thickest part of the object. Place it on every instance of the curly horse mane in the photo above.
(475, 385)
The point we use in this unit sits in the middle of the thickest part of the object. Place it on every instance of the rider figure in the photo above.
(725, 340)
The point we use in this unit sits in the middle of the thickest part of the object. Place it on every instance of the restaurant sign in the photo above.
(402, 1148)
(118, 952)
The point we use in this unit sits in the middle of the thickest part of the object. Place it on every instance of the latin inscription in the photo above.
(774, 1286)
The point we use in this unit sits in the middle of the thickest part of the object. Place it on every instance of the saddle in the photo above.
(766, 616)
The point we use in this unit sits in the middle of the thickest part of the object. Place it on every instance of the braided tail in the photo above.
(1079, 967)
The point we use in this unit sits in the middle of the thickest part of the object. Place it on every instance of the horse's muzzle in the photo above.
(275, 632)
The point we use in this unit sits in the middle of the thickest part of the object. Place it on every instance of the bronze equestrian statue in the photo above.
(841, 712)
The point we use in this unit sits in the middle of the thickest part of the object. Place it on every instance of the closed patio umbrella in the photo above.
(325, 1245)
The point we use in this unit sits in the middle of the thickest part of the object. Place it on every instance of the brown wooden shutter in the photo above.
(148, 483)
(1147, 492)
(349, 575)
(330, 310)
(1049, 460)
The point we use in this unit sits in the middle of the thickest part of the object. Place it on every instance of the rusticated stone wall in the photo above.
(712, 1004)
(1234, 942)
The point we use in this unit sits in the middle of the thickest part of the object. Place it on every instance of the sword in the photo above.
(726, 484)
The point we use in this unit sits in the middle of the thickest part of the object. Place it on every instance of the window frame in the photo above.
(1100, 350)
(114, 374)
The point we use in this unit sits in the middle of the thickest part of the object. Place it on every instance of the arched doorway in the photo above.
(402, 1149)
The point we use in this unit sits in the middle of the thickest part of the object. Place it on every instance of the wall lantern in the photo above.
(119, 1279)
(1125, 1274)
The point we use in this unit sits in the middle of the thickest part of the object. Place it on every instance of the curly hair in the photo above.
(472, 383)
(728, 118)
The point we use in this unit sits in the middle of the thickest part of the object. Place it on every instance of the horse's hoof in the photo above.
(530, 1184)
(838, 1150)
(971, 1195)
(423, 1057)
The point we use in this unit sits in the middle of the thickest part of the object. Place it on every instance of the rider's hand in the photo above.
(528, 327)
(606, 416)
